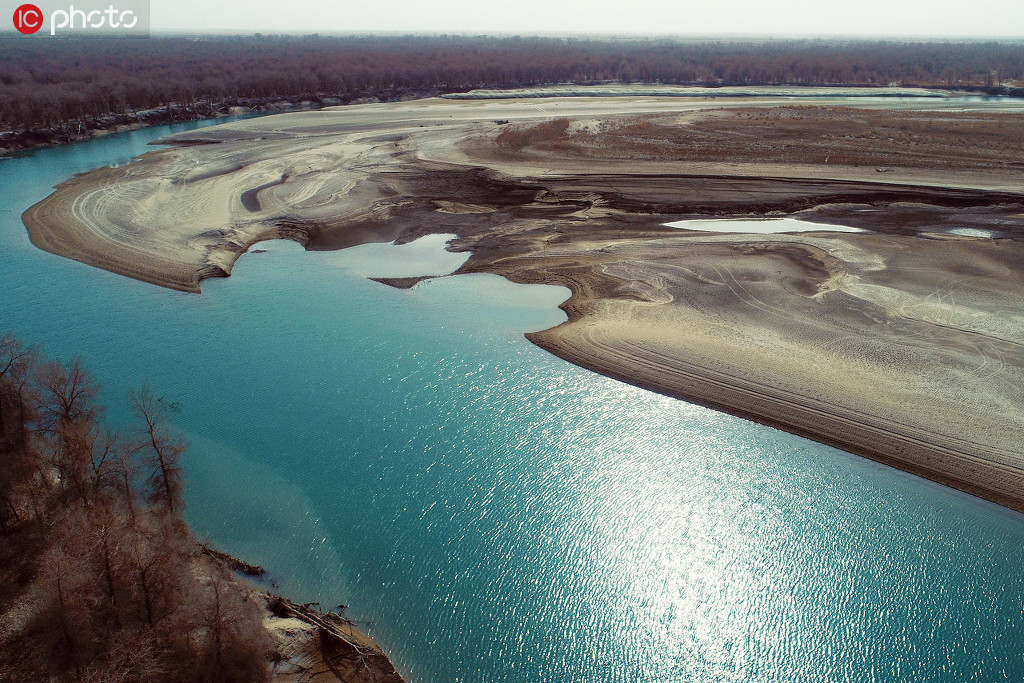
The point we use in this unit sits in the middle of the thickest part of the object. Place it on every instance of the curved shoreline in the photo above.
(51, 227)
(914, 454)
(993, 474)
(858, 341)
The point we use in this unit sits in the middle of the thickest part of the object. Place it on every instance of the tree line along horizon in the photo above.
(52, 82)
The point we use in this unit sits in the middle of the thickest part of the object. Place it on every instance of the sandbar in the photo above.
(902, 343)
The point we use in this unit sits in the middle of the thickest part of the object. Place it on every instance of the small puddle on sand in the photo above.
(972, 232)
(759, 226)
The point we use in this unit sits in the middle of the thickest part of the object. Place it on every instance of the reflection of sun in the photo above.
(681, 570)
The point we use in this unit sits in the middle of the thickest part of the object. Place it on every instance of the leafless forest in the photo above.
(47, 82)
(100, 579)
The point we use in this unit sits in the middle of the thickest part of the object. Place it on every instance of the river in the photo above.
(493, 513)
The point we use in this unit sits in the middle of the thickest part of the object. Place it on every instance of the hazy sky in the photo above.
(765, 17)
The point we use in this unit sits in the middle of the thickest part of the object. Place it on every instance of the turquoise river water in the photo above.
(492, 513)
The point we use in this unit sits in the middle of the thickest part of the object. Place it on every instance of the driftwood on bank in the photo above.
(233, 563)
(350, 654)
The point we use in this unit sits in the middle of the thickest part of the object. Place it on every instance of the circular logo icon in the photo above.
(28, 19)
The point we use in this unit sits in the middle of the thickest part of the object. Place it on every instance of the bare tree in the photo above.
(234, 643)
(161, 452)
(61, 598)
(16, 362)
(19, 461)
(68, 394)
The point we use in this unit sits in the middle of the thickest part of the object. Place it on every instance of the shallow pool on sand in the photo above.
(761, 226)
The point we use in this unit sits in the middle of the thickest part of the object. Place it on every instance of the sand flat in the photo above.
(902, 343)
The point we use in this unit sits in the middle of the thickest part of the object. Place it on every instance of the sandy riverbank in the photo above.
(901, 344)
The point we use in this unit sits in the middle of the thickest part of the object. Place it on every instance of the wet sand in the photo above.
(902, 344)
